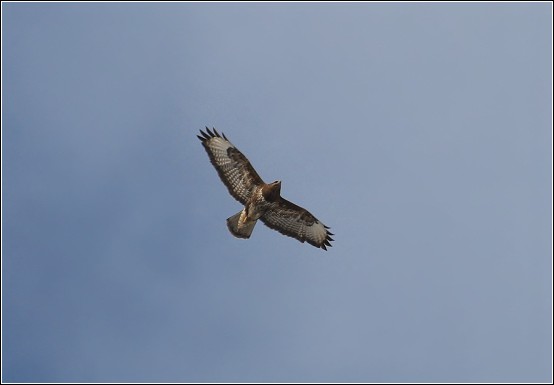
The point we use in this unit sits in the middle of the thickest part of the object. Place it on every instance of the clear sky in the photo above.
(421, 133)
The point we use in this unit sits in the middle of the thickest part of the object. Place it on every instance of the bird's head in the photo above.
(272, 191)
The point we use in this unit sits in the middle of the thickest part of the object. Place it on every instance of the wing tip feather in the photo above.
(205, 135)
(327, 241)
(209, 134)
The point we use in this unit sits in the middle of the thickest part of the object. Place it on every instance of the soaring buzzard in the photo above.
(261, 201)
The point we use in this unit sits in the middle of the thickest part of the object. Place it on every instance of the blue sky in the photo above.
(421, 133)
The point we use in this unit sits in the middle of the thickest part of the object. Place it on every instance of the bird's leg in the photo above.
(247, 212)
(244, 216)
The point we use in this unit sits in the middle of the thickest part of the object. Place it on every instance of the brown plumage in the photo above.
(261, 200)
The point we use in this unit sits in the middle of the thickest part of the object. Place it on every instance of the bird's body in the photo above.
(262, 201)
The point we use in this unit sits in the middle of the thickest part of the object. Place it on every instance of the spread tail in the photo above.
(238, 228)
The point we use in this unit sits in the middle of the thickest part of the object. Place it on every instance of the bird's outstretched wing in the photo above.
(295, 221)
(233, 167)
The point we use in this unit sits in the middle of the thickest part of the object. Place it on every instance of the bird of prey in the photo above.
(261, 200)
